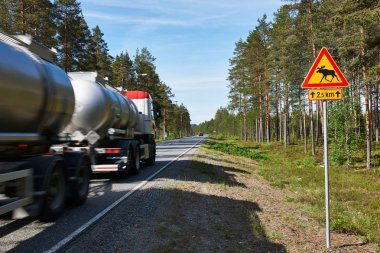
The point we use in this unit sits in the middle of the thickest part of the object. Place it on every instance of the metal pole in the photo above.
(327, 201)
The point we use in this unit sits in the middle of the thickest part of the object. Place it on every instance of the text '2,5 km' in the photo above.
(330, 94)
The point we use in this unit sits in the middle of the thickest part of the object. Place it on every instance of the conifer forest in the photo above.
(267, 68)
(60, 24)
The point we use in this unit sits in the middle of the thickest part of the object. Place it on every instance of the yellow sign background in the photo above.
(317, 77)
(331, 94)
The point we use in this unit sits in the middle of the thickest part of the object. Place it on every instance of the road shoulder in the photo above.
(210, 202)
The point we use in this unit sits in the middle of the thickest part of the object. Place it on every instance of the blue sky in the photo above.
(192, 41)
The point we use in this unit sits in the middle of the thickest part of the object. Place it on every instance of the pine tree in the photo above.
(68, 20)
(256, 60)
(100, 59)
(84, 54)
(358, 19)
(281, 42)
(147, 78)
(162, 99)
(31, 17)
(41, 18)
(7, 16)
(239, 90)
(350, 30)
(123, 74)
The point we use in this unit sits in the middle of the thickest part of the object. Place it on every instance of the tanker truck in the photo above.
(56, 128)
(37, 102)
(116, 130)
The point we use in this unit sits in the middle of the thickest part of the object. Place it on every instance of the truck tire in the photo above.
(133, 161)
(78, 171)
(54, 200)
(82, 182)
(152, 155)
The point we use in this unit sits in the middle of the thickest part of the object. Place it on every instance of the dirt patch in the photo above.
(211, 203)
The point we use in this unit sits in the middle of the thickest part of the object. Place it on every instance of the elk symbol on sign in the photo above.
(327, 72)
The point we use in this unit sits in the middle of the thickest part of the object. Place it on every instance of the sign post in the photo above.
(326, 162)
(323, 75)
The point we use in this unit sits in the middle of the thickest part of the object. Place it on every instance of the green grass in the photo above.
(354, 193)
(233, 149)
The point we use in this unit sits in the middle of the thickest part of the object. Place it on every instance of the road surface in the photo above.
(107, 191)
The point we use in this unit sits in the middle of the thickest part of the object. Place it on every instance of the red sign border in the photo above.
(306, 83)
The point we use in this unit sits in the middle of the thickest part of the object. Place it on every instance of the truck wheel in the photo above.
(82, 174)
(133, 162)
(137, 160)
(152, 155)
(54, 200)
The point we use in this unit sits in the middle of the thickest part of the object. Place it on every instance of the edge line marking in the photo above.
(100, 215)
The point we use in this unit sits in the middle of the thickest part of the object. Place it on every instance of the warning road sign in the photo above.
(324, 73)
(333, 94)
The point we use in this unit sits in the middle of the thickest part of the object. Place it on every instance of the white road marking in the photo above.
(77, 232)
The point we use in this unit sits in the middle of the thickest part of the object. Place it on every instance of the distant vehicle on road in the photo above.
(200, 134)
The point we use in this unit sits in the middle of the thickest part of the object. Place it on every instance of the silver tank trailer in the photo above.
(98, 107)
(36, 96)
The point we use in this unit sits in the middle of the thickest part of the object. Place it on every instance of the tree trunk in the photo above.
(314, 50)
(65, 43)
(267, 118)
(367, 108)
(261, 128)
(317, 122)
(357, 103)
(304, 124)
(22, 16)
(245, 122)
(286, 114)
(300, 125)
(241, 118)
(35, 25)
(367, 118)
(311, 127)
(277, 122)
(281, 126)
(376, 109)
(257, 129)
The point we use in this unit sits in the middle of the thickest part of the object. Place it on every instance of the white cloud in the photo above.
(186, 6)
(124, 19)
(178, 13)
(156, 21)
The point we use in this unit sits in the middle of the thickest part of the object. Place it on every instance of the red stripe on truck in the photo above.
(136, 94)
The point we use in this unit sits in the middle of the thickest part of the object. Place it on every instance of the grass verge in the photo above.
(354, 193)
(235, 148)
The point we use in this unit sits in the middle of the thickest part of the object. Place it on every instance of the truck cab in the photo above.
(144, 104)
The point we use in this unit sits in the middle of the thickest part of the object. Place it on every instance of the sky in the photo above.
(192, 41)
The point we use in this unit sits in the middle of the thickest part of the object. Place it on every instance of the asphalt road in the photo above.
(107, 190)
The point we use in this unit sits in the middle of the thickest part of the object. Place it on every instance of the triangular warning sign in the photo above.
(324, 73)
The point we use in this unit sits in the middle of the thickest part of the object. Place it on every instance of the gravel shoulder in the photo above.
(210, 202)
